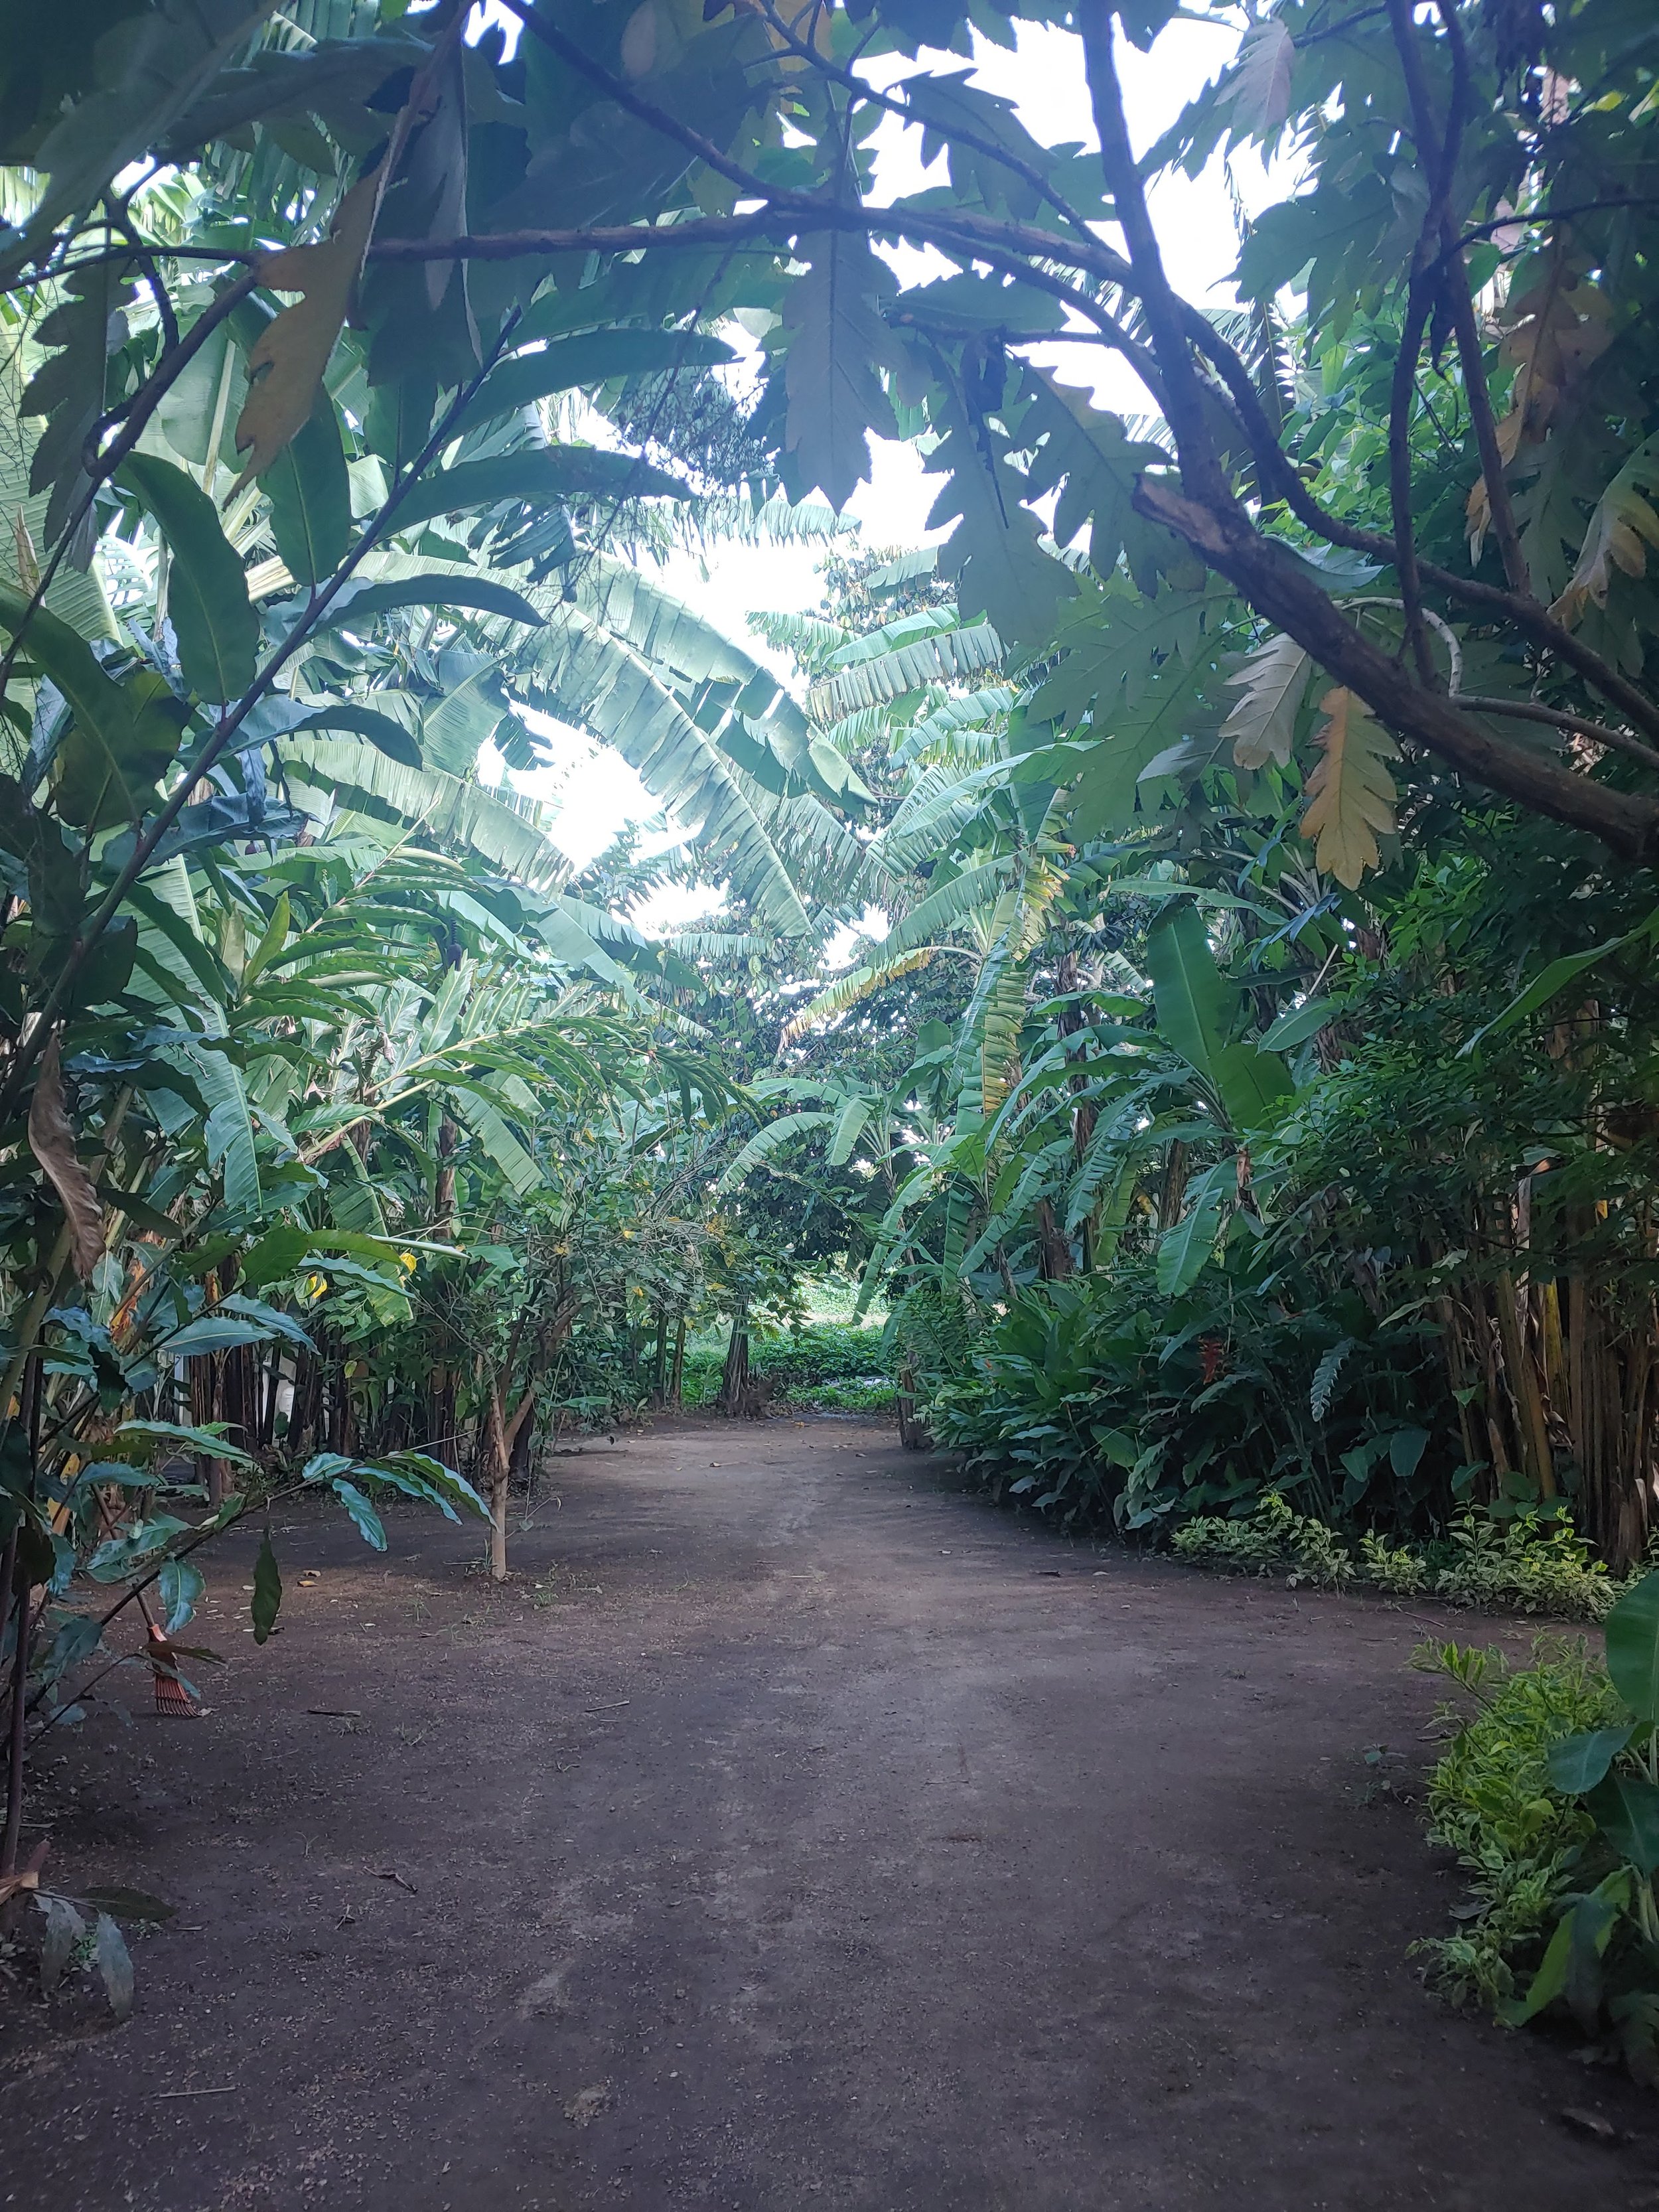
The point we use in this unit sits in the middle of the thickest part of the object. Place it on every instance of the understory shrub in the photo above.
(1530, 1564)
(1101, 1400)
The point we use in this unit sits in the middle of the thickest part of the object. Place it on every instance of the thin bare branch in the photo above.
(1531, 710)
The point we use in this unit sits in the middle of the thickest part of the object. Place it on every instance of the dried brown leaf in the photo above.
(1623, 525)
(285, 369)
(51, 1139)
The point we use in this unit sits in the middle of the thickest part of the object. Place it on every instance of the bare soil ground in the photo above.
(792, 1831)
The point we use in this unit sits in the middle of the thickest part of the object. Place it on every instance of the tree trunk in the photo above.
(10, 1596)
(498, 1527)
(440, 1414)
(1173, 1192)
(734, 1379)
(914, 1436)
(443, 1199)
(501, 1442)
(1054, 1249)
(1068, 1022)
(660, 1361)
(203, 1408)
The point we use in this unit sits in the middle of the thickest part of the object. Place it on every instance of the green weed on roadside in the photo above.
(1549, 1795)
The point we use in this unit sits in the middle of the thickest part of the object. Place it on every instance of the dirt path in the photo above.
(793, 1831)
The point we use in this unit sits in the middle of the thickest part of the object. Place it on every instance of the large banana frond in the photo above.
(501, 829)
(858, 984)
(766, 1141)
(1000, 1028)
(975, 891)
(666, 634)
(77, 595)
(811, 638)
(774, 521)
(962, 727)
(932, 813)
(597, 682)
(905, 657)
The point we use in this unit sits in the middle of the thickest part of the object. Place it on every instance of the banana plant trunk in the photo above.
(735, 1380)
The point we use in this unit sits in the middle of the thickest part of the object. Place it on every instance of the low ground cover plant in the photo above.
(1532, 1562)
(1548, 1793)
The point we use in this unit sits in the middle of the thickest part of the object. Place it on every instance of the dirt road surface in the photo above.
(792, 1833)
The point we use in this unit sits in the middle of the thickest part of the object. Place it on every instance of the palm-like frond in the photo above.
(858, 984)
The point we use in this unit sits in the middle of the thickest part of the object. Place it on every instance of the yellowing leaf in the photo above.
(1622, 527)
(51, 1139)
(285, 369)
(1262, 726)
(1350, 793)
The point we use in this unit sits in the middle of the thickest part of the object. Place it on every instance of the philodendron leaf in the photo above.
(177, 1587)
(121, 736)
(64, 1931)
(1301, 1023)
(1554, 979)
(1633, 1633)
(310, 494)
(540, 475)
(1350, 793)
(449, 1489)
(477, 593)
(1577, 1762)
(212, 617)
(590, 358)
(1626, 1811)
(169, 1434)
(267, 1589)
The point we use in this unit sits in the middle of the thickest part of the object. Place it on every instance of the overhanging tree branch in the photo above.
(1277, 587)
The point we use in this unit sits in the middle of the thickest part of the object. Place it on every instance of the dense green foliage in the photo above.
(831, 1364)
(1248, 1093)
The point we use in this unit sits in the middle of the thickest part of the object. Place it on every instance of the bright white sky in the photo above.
(1044, 77)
